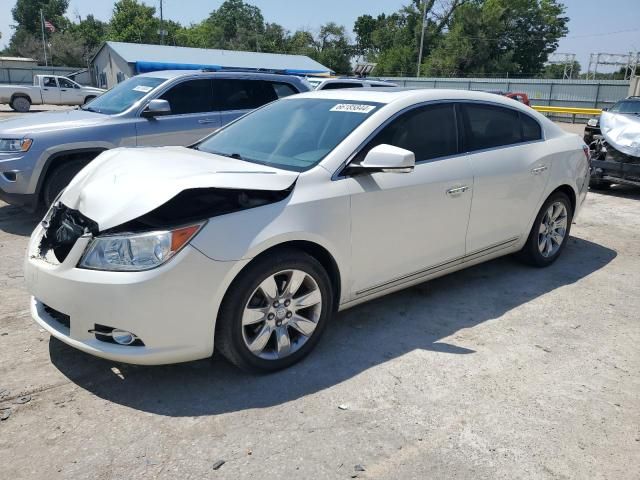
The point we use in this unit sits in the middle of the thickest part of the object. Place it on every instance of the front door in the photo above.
(192, 116)
(510, 174)
(407, 224)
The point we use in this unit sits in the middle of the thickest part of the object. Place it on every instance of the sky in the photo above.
(609, 26)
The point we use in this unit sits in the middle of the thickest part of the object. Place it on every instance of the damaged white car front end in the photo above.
(114, 253)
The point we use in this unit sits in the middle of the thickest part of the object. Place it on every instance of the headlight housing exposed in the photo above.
(136, 251)
(13, 145)
(592, 122)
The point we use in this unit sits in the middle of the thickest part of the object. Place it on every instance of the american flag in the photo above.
(49, 26)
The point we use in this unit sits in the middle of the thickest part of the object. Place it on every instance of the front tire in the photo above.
(275, 311)
(549, 233)
(59, 178)
(20, 104)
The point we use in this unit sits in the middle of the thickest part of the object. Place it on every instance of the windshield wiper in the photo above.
(89, 109)
(237, 156)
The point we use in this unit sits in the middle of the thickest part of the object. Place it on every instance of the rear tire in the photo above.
(250, 330)
(595, 184)
(59, 178)
(549, 233)
(20, 104)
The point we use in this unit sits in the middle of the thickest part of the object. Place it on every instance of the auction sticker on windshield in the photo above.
(353, 107)
(142, 88)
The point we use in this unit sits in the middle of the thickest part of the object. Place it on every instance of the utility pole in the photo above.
(162, 32)
(424, 21)
(44, 44)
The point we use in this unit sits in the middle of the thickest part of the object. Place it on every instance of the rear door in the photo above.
(50, 91)
(192, 116)
(233, 97)
(510, 173)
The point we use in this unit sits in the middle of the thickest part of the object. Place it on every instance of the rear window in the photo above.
(488, 126)
(339, 85)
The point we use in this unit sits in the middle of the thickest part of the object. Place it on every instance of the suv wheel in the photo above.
(274, 312)
(550, 232)
(59, 178)
(21, 104)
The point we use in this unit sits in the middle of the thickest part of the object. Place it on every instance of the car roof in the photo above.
(390, 95)
(169, 74)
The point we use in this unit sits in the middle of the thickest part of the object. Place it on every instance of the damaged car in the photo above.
(251, 240)
(615, 147)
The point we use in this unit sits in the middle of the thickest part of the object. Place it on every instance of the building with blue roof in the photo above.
(117, 61)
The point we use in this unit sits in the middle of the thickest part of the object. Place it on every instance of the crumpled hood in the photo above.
(622, 132)
(125, 183)
(49, 121)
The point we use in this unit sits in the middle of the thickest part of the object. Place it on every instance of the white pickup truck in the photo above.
(49, 90)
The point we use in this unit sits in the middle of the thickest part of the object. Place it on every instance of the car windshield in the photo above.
(294, 134)
(123, 95)
(629, 106)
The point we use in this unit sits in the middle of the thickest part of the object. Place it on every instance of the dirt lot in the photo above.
(499, 371)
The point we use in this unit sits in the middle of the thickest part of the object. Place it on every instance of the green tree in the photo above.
(496, 37)
(133, 22)
(26, 14)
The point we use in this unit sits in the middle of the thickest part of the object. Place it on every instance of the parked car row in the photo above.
(40, 154)
(251, 238)
(49, 90)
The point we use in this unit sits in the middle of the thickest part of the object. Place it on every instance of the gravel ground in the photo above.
(498, 371)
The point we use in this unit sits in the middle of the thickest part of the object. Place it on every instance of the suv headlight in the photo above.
(136, 251)
(12, 145)
(592, 122)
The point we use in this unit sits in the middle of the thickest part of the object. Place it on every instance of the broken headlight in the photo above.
(136, 251)
(593, 122)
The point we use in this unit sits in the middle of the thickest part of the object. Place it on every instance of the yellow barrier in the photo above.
(569, 110)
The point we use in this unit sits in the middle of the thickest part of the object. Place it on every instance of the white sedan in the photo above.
(252, 239)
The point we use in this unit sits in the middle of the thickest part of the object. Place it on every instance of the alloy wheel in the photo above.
(553, 229)
(281, 315)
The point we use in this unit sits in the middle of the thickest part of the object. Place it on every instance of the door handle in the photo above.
(206, 121)
(63, 89)
(455, 191)
(538, 170)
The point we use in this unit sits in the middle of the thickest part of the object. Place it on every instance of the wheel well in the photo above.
(318, 252)
(568, 191)
(58, 159)
(17, 95)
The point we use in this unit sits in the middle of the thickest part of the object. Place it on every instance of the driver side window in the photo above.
(429, 132)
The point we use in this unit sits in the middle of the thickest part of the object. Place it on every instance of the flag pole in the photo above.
(44, 44)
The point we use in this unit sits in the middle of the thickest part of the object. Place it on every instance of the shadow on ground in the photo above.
(624, 191)
(16, 221)
(359, 338)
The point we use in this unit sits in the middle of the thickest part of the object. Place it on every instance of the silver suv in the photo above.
(41, 153)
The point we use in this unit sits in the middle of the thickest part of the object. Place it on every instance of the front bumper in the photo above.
(616, 172)
(28, 201)
(172, 308)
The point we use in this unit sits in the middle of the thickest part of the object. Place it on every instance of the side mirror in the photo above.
(156, 108)
(387, 158)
